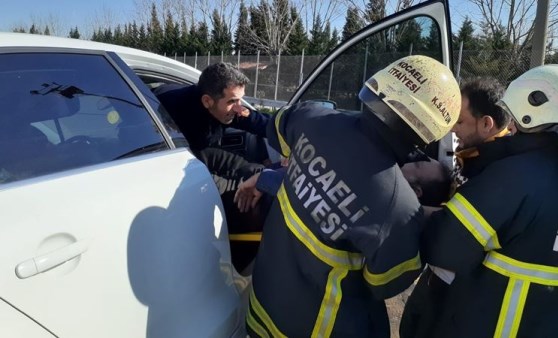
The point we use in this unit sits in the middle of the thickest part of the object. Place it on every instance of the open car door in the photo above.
(423, 29)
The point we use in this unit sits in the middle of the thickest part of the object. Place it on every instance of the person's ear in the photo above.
(417, 189)
(487, 123)
(207, 101)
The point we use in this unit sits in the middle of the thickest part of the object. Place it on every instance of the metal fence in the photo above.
(276, 78)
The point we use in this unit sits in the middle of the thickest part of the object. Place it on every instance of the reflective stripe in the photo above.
(474, 222)
(512, 309)
(285, 149)
(330, 303)
(255, 326)
(535, 273)
(263, 316)
(393, 273)
(246, 237)
(332, 257)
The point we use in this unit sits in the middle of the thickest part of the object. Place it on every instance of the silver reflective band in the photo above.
(540, 274)
(332, 257)
(474, 222)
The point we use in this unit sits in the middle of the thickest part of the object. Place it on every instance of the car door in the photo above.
(108, 229)
(423, 29)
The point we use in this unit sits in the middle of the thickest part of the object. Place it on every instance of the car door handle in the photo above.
(50, 260)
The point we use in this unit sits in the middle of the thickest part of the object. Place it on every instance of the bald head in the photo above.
(430, 180)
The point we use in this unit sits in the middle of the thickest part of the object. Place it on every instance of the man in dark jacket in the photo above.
(343, 233)
(202, 112)
(498, 233)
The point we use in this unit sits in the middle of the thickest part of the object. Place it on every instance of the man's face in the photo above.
(227, 107)
(468, 128)
(422, 171)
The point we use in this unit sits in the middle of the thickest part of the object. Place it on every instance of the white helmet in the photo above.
(532, 98)
(421, 90)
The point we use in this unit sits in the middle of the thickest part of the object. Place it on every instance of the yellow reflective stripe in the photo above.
(264, 317)
(246, 237)
(393, 273)
(512, 309)
(535, 273)
(255, 326)
(474, 222)
(330, 303)
(285, 149)
(332, 257)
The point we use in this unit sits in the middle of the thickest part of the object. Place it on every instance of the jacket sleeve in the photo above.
(391, 252)
(270, 180)
(477, 219)
(255, 123)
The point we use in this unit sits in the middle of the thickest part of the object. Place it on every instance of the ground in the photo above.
(395, 307)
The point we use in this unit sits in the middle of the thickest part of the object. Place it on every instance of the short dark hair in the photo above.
(218, 76)
(436, 192)
(483, 94)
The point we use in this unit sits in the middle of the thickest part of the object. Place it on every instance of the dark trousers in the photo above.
(424, 307)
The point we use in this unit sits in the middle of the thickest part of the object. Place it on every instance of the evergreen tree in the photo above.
(466, 35)
(19, 30)
(409, 35)
(258, 23)
(74, 33)
(353, 23)
(298, 41)
(199, 37)
(33, 29)
(184, 42)
(171, 35)
(47, 30)
(220, 36)
(320, 38)
(142, 38)
(118, 36)
(155, 32)
(242, 35)
(334, 40)
(375, 10)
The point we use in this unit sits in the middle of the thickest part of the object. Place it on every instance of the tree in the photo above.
(33, 29)
(466, 35)
(221, 40)
(199, 37)
(353, 23)
(409, 35)
(298, 41)
(375, 10)
(319, 42)
(241, 36)
(46, 31)
(155, 32)
(171, 35)
(74, 33)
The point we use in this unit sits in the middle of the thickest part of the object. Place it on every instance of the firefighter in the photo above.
(499, 232)
(343, 233)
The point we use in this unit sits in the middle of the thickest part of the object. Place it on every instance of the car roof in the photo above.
(135, 58)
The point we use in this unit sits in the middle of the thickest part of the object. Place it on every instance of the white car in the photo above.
(110, 227)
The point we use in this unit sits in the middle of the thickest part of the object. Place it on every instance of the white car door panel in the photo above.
(19, 324)
(136, 251)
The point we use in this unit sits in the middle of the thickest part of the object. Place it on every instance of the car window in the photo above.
(60, 111)
(342, 79)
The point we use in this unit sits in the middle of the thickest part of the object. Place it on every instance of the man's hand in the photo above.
(245, 112)
(247, 196)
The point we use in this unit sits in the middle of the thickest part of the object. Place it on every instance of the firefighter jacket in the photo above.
(343, 233)
(498, 233)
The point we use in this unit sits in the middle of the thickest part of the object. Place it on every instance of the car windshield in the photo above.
(60, 111)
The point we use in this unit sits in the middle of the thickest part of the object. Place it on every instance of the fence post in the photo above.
(330, 79)
(411, 49)
(301, 75)
(365, 70)
(175, 56)
(208, 57)
(196, 61)
(277, 75)
(222, 55)
(238, 60)
(184, 57)
(459, 58)
(257, 70)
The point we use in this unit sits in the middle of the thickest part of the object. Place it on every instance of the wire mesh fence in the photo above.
(277, 78)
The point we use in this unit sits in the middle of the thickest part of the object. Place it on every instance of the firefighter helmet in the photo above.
(421, 91)
(532, 98)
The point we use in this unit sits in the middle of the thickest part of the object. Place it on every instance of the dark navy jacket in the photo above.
(499, 234)
(343, 233)
(183, 102)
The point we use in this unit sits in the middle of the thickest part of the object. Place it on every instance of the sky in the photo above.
(86, 14)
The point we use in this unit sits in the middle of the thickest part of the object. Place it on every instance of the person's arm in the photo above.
(250, 191)
(253, 122)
